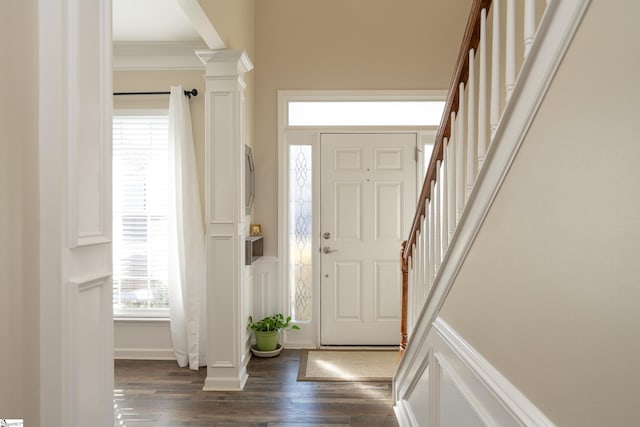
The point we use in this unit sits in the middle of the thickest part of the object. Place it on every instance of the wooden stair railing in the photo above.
(469, 121)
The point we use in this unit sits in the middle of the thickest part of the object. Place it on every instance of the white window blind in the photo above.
(140, 208)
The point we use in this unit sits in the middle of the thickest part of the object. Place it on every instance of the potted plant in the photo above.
(267, 330)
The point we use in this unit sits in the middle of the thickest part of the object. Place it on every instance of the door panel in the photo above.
(347, 302)
(388, 291)
(367, 197)
(388, 210)
(348, 201)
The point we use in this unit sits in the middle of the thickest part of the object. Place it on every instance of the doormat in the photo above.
(347, 365)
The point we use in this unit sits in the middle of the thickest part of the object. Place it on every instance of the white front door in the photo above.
(367, 202)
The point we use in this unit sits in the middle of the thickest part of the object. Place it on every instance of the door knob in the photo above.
(327, 250)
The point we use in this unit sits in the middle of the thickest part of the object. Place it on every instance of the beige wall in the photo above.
(234, 22)
(19, 295)
(143, 81)
(337, 44)
(549, 292)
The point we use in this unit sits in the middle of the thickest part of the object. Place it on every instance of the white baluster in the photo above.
(510, 69)
(438, 226)
(460, 154)
(425, 285)
(424, 245)
(471, 126)
(495, 68)
(412, 284)
(422, 260)
(427, 248)
(418, 275)
(432, 239)
(451, 187)
(482, 90)
(445, 196)
(441, 209)
(419, 265)
(529, 25)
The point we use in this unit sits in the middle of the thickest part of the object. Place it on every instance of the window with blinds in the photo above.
(140, 208)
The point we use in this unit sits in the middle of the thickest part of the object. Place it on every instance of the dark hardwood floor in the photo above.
(158, 393)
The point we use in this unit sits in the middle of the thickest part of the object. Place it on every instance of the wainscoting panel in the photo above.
(221, 252)
(142, 339)
(448, 383)
(88, 77)
(264, 276)
(89, 345)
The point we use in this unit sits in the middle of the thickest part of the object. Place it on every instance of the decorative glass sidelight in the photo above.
(300, 232)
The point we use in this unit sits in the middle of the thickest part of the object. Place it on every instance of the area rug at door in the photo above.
(347, 365)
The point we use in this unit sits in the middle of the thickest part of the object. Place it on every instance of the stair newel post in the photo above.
(404, 265)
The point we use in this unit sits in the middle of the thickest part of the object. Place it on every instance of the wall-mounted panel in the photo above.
(143, 339)
(88, 120)
(222, 168)
(90, 328)
(221, 287)
(456, 405)
(420, 411)
(264, 275)
(461, 387)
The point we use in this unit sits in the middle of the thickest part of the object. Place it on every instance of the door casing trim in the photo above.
(309, 335)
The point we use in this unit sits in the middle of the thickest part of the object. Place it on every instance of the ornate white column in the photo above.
(227, 350)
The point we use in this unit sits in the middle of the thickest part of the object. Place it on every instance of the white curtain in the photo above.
(187, 302)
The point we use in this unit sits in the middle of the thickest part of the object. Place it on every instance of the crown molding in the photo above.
(138, 56)
(225, 61)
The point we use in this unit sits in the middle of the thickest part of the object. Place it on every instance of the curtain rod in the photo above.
(189, 93)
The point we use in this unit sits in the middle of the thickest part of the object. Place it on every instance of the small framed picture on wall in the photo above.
(255, 230)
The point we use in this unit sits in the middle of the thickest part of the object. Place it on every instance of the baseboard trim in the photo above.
(144, 354)
(225, 384)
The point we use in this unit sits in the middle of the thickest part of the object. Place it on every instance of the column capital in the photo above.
(225, 62)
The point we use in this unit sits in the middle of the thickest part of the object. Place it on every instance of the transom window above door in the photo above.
(364, 113)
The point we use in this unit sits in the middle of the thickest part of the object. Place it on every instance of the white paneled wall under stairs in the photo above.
(511, 51)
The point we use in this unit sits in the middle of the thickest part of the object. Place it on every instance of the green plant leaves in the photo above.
(274, 322)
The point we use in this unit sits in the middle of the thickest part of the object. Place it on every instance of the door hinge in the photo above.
(417, 155)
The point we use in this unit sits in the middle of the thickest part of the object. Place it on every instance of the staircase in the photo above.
(509, 56)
